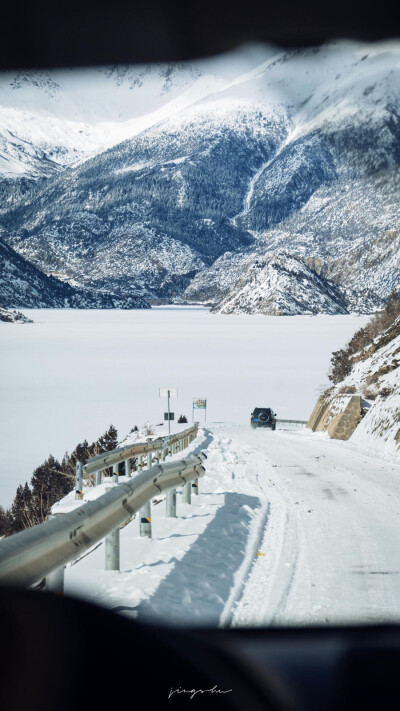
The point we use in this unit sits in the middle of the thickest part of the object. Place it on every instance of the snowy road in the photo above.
(330, 550)
(290, 527)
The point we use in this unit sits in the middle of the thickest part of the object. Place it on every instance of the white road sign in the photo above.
(173, 392)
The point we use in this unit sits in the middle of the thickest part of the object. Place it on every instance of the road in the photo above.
(329, 548)
(289, 527)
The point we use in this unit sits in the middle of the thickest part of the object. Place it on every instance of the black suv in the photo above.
(263, 417)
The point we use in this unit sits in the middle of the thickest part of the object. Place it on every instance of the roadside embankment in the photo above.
(364, 405)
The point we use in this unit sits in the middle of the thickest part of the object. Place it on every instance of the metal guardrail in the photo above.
(170, 444)
(43, 550)
(29, 556)
(294, 422)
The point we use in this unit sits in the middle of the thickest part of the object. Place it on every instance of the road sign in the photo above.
(168, 392)
(199, 403)
(169, 415)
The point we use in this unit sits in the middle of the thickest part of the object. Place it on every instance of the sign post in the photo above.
(169, 392)
(199, 404)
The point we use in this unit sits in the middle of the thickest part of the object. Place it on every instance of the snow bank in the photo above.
(380, 428)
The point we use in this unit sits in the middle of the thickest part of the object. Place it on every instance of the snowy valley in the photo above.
(155, 221)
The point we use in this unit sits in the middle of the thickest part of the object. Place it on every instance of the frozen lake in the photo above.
(72, 373)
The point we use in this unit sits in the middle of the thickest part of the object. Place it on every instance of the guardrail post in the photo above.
(145, 511)
(112, 550)
(187, 493)
(78, 480)
(128, 468)
(115, 478)
(145, 520)
(98, 478)
(171, 503)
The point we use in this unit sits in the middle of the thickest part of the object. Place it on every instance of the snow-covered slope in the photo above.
(375, 375)
(213, 284)
(12, 316)
(280, 284)
(154, 209)
(64, 116)
(378, 377)
(298, 156)
(22, 285)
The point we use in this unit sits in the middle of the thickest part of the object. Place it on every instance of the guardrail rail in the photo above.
(294, 422)
(43, 550)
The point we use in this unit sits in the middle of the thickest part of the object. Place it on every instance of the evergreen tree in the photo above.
(49, 483)
(3, 522)
(17, 511)
(109, 440)
(28, 520)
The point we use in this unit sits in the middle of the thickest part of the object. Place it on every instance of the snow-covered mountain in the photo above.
(61, 117)
(153, 210)
(282, 285)
(23, 285)
(297, 159)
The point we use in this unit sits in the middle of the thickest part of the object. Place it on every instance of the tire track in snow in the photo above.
(246, 477)
(243, 572)
(263, 584)
(272, 576)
